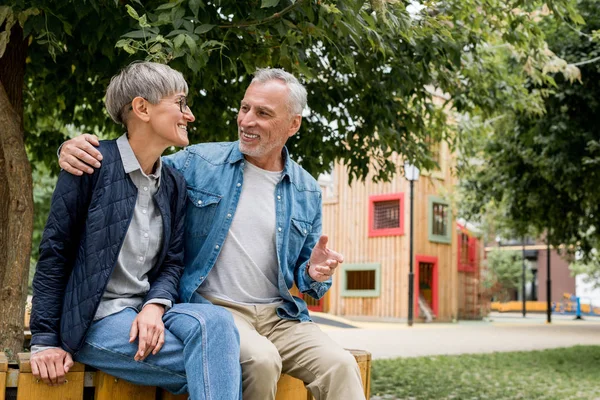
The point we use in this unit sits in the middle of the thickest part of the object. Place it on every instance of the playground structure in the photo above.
(569, 305)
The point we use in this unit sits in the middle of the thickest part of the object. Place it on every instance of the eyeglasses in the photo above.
(183, 105)
(182, 101)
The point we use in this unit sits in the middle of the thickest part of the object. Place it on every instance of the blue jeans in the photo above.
(200, 356)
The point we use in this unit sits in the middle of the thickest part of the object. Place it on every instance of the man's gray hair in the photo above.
(152, 81)
(297, 95)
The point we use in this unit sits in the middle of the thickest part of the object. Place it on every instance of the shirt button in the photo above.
(144, 211)
(228, 215)
(141, 258)
(217, 247)
(238, 185)
(145, 188)
(279, 229)
(199, 201)
(305, 231)
(145, 235)
(278, 197)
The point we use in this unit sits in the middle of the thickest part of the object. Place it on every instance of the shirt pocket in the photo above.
(201, 210)
(298, 234)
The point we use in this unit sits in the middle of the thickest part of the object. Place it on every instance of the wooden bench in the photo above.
(97, 385)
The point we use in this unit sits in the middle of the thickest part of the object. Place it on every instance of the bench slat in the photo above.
(110, 388)
(3, 369)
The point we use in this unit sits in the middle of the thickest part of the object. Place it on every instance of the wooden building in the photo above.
(370, 224)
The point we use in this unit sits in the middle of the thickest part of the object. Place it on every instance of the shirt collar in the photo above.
(236, 156)
(130, 161)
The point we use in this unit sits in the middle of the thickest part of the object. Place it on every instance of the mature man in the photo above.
(253, 228)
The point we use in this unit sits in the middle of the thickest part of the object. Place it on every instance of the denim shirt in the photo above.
(214, 176)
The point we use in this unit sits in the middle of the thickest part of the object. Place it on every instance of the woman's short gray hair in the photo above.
(152, 81)
(297, 96)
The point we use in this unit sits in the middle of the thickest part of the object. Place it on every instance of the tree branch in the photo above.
(273, 17)
(592, 60)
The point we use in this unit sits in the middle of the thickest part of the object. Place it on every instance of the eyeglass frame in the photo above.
(183, 105)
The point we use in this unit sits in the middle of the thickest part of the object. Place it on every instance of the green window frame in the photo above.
(375, 292)
(432, 202)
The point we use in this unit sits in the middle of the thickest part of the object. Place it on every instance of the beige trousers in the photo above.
(271, 346)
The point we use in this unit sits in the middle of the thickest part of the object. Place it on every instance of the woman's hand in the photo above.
(148, 325)
(51, 365)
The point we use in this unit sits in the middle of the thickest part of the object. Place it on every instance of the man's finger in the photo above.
(67, 167)
(338, 257)
(73, 162)
(84, 155)
(323, 242)
(93, 139)
(133, 332)
(324, 270)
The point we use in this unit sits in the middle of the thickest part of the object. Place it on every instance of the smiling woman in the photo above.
(116, 237)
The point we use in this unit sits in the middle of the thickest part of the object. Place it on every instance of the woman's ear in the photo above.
(139, 107)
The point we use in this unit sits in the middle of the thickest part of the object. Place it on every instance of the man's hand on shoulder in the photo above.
(323, 261)
(79, 153)
(51, 365)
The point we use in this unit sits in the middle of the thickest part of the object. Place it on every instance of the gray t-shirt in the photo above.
(247, 269)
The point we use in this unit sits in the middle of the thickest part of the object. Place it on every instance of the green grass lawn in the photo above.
(561, 374)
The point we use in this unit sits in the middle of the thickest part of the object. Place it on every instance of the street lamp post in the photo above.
(412, 175)
(523, 282)
(548, 286)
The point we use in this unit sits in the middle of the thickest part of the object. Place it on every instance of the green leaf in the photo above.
(268, 3)
(195, 6)
(192, 63)
(68, 28)
(190, 43)
(156, 48)
(4, 37)
(178, 41)
(129, 49)
(176, 32)
(167, 6)
(144, 22)
(132, 13)
(177, 15)
(4, 11)
(203, 28)
(139, 34)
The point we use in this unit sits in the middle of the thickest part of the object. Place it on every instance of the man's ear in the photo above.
(295, 125)
(139, 107)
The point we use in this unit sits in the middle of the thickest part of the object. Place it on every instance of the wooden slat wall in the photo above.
(345, 220)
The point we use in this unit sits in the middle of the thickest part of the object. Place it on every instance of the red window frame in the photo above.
(472, 245)
(389, 231)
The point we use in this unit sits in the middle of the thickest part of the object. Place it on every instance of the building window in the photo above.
(386, 215)
(361, 280)
(467, 251)
(439, 220)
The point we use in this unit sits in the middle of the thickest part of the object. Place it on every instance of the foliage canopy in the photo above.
(371, 68)
(541, 171)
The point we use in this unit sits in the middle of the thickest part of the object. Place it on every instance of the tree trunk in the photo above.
(16, 197)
